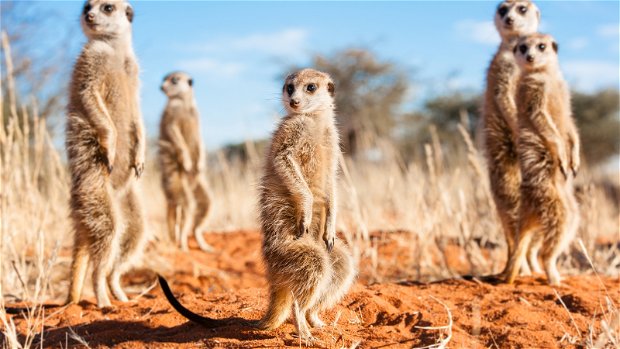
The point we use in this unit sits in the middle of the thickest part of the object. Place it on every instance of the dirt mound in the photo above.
(405, 314)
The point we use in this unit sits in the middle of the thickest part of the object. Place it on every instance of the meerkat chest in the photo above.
(120, 95)
(316, 156)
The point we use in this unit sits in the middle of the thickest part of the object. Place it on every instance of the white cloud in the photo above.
(482, 32)
(282, 43)
(577, 44)
(590, 75)
(212, 66)
(608, 30)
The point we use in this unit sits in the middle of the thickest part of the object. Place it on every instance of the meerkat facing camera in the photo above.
(308, 267)
(513, 18)
(182, 161)
(106, 148)
(549, 149)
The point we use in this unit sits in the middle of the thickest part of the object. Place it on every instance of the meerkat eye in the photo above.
(542, 47)
(174, 80)
(523, 9)
(87, 8)
(108, 8)
(290, 89)
(311, 88)
(523, 49)
(502, 11)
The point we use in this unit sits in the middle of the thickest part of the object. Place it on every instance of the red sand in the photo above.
(525, 315)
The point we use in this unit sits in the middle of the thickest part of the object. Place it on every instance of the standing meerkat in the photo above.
(548, 156)
(183, 162)
(308, 267)
(106, 148)
(306, 264)
(513, 18)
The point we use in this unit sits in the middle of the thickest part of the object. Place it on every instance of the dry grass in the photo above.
(438, 201)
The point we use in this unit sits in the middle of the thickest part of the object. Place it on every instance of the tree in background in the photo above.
(369, 96)
(598, 119)
(40, 68)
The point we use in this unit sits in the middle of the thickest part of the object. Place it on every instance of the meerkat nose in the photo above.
(90, 17)
(509, 20)
(530, 58)
(294, 103)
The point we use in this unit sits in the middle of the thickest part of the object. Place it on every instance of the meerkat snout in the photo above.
(515, 17)
(106, 18)
(305, 93)
(537, 50)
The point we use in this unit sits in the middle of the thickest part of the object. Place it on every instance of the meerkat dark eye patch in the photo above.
(107, 8)
(502, 11)
(174, 80)
(555, 46)
(331, 88)
(522, 9)
(311, 88)
(290, 89)
(87, 8)
(190, 82)
(129, 13)
(542, 47)
(523, 49)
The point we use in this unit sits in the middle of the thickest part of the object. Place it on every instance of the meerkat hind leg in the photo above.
(280, 302)
(79, 267)
(342, 278)
(301, 324)
(524, 239)
(203, 204)
(532, 256)
(130, 241)
(187, 214)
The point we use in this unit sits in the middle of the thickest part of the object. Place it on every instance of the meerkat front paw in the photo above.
(329, 237)
(138, 168)
(187, 163)
(563, 160)
(109, 153)
(575, 162)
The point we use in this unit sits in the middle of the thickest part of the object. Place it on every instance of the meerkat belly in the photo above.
(119, 100)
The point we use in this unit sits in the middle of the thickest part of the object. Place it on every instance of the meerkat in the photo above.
(308, 267)
(548, 150)
(513, 18)
(106, 148)
(182, 161)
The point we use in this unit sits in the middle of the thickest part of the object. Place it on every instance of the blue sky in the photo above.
(237, 51)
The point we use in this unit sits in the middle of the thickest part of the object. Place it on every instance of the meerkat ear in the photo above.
(555, 46)
(331, 88)
(129, 13)
(191, 82)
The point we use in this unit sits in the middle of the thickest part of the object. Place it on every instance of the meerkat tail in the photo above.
(188, 314)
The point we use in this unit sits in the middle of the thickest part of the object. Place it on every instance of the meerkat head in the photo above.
(516, 18)
(106, 18)
(177, 84)
(308, 91)
(536, 51)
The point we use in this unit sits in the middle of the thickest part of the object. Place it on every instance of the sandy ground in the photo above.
(230, 284)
